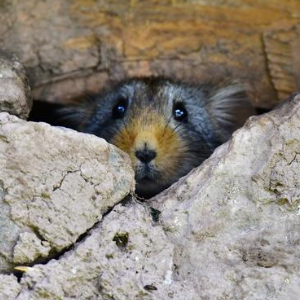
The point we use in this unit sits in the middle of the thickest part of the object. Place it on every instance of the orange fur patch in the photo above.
(152, 130)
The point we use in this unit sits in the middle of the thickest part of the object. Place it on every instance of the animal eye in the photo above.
(119, 109)
(179, 112)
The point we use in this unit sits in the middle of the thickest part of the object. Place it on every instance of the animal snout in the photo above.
(145, 155)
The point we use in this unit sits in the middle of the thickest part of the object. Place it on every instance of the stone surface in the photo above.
(236, 218)
(15, 97)
(9, 287)
(228, 230)
(125, 257)
(29, 247)
(55, 184)
(89, 43)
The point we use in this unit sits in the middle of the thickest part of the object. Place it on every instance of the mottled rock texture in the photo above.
(9, 287)
(125, 257)
(55, 184)
(235, 220)
(228, 230)
(70, 47)
(15, 97)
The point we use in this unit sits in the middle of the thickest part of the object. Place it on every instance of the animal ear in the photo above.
(70, 116)
(229, 107)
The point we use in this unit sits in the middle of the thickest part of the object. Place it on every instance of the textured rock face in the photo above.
(125, 257)
(14, 88)
(228, 230)
(235, 220)
(55, 184)
(9, 287)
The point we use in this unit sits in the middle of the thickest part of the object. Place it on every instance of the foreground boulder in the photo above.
(235, 221)
(228, 230)
(15, 95)
(125, 257)
(55, 184)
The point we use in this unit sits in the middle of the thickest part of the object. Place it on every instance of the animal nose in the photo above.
(145, 155)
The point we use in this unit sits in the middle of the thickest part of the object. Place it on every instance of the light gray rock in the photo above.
(55, 184)
(9, 287)
(126, 257)
(235, 220)
(15, 97)
(29, 247)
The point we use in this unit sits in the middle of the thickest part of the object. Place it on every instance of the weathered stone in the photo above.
(15, 95)
(29, 247)
(9, 287)
(125, 257)
(235, 221)
(55, 184)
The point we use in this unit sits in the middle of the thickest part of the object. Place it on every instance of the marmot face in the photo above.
(166, 127)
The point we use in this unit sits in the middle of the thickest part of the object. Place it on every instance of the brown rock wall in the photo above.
(59, 41)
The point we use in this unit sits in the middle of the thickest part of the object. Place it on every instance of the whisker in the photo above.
(165, 129)
(125, 127)
(174, 131)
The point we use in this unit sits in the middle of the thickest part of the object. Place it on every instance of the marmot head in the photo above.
(166, 127)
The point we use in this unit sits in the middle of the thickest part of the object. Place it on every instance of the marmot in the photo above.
(166, 127)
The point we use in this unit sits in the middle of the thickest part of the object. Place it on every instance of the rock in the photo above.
(9, 287)
(15, 95)
(29, 247)
(235, 221)
(125, 257)
(55, 184)
(228, 230)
